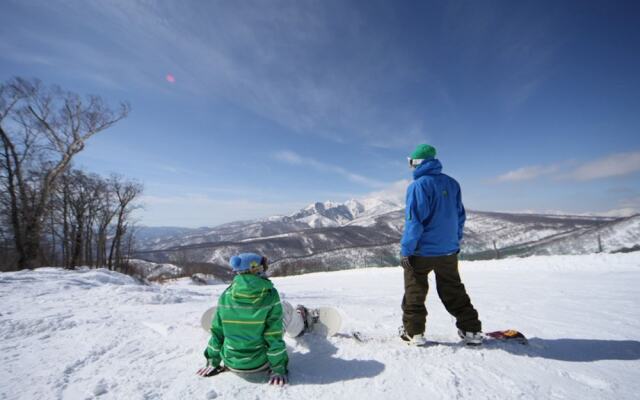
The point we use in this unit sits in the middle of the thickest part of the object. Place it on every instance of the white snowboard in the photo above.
(207, 318)
(328, 324)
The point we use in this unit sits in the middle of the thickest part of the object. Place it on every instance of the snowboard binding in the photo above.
(309, 317)
(471, 338)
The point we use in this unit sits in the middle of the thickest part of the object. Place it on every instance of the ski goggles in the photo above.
(414, 162)
(255, 267)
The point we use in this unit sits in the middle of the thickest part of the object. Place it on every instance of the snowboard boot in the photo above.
(415, 340)
(309, 317)
(471, 338)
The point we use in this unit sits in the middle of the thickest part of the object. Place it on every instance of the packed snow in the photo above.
(99, 334)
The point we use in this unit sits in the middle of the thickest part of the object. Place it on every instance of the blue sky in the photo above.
(273, 105)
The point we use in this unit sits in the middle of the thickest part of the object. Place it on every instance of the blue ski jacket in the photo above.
(434, 215)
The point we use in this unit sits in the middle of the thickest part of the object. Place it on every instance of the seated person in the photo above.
(250, 319)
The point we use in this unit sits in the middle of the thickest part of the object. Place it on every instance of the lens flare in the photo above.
(171, 78)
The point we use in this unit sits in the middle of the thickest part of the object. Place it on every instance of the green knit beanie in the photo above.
(423, 152)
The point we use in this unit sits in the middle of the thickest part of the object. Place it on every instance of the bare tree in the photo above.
(41, 129)
(83, 198)
(105, 212)
(97, 186)
(129, 248)
(81, 219)
(125, 193)
(7, 253)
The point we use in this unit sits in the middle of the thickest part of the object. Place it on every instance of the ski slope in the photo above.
(99, 334)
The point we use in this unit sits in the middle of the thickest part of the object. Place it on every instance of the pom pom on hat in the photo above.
(235, 262)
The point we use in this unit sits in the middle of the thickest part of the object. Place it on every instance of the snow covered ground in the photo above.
(98, 334)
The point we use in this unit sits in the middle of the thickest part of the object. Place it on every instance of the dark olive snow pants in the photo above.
(450, 290)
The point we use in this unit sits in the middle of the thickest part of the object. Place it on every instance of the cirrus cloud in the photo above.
(290, 157)
(527, 173)
(613, 165)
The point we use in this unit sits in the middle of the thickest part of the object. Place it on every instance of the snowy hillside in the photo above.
(364, 233)
(99, 334)
(513, 231)
(153, 271)
(362, 212)
(619, 234)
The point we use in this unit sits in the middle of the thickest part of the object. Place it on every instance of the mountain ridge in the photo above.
(366, 232)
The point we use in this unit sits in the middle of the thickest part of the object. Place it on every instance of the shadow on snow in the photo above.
(583, 350)
(571, 350)
(320, 366)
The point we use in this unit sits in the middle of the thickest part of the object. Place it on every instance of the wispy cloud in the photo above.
(293, 158)
(196, 210)
(395, 192)
(528, 173)
(613, 165)
(268, 59)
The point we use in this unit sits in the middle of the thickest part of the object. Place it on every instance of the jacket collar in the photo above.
(428, 167)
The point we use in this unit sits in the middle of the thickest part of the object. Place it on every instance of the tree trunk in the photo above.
(54, 259)
(77, 243)
(31, 247)
(65, 228)
(101, 247)
(88, 240)
(13, 177)
(113, 247)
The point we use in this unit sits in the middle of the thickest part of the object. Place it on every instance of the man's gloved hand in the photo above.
(209, 370)
(405, 262)
(278, 379)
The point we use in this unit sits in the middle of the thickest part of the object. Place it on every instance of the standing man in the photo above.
(431, 242)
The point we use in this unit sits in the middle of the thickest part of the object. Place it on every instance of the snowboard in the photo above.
(509, 335)
(326, 321)
(495, 337)
(207, 318)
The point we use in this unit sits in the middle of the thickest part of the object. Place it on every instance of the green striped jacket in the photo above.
(246, 331)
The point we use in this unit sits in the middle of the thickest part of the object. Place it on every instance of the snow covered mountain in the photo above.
(366, 232)
(320, 215)
(317, 215)
(530, 234)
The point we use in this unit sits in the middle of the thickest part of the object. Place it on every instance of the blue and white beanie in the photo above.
(245, 261)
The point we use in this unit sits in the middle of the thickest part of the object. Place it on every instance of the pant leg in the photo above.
(416, 286)
(292, 321)
(453, 294)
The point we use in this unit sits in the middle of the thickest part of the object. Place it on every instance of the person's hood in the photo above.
(250, 288)
(428, 167)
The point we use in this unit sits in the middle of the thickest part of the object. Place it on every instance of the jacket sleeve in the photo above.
(462, 215)
(212, 352)
(276, 348)
(416, 212)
